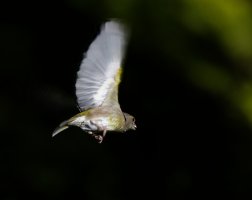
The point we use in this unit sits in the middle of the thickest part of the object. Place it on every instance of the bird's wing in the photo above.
(100, 71)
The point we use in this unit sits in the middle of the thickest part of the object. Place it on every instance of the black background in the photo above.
(193, 137)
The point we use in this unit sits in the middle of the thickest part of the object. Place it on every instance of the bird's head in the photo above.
(130, 122)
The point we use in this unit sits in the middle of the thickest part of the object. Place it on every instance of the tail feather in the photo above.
(61, 127)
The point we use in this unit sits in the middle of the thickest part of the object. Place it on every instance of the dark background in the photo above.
(187, 80)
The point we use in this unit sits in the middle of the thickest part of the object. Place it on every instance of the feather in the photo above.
(61, 127)
(98, 72)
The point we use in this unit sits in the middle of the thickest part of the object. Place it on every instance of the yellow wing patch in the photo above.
(118, 76)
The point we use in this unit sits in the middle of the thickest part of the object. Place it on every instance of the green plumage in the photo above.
(97, 86)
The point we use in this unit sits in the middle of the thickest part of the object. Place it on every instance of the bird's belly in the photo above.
(98, 124)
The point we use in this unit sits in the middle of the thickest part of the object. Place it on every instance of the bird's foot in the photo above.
(100, 128)
(99, 138)
(104, 132)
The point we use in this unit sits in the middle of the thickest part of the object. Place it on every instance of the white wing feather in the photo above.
(96, 76)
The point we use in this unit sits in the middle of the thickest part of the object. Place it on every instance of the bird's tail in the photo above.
(61, 127)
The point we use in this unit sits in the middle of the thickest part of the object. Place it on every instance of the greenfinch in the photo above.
(97, 85)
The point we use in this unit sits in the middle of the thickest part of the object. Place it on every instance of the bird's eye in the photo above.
(133, 119)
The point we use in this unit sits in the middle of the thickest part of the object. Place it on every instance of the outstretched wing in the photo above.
(99, 74)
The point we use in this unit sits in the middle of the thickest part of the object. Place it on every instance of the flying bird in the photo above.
(97, 85)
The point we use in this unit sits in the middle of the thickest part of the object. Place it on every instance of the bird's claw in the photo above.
(98, 137)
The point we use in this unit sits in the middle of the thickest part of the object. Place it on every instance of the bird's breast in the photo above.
(99, 119)
(110, 123)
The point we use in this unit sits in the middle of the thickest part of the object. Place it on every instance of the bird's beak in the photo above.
(134, 127)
